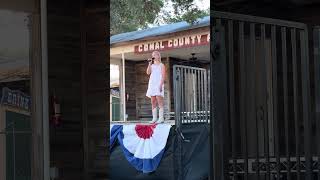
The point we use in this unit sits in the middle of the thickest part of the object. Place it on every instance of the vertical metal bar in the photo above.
(220, 102)
(181, 99)
(232, 96)
(194, 95)
(243, 94)
(252, 103)
(285, 97)
(185, 89)
(295, 98)
(180, 149)
(306, 101)
(192, 105)
(124, 87)
(84, 91)
(14, 149)
(180, 79)
(203, 95)
(197, 95)
(45, 90)
(317, 89)
(275, 95)
(200, 97)
(211, 137)
(185, 98)
(189, 94)
(209, 90)
(265, 112)
(206, 96)
(176, 101)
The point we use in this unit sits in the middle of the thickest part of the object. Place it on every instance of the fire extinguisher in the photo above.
(56, 114)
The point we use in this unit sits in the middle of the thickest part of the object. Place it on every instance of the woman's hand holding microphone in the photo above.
(150, 61)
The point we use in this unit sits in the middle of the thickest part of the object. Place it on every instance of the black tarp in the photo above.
(181, 161)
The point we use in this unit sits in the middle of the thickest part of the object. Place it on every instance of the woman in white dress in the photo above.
(155, 91)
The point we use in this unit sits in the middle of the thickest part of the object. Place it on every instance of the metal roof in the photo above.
(156, 31)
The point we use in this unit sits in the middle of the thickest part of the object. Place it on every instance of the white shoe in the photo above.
(161, 119)
(154, 115)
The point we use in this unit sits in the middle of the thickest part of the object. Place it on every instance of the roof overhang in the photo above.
(170, 45)
(160, 30)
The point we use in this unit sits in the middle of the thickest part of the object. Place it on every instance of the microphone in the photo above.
(151, 60)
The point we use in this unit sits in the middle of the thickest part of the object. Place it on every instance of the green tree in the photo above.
(131, 15)
(186, 10)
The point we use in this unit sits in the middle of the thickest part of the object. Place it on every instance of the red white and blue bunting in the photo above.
(142, 145)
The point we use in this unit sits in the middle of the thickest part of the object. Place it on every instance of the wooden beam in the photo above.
(84, 101)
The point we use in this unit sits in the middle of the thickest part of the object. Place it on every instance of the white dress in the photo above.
(154, 81)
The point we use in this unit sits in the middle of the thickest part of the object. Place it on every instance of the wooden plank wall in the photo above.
(64, 66)
(77, 75)
(131, 88)
(96, 74)
(143, 104)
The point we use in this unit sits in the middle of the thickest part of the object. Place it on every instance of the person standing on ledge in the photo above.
(155, 91)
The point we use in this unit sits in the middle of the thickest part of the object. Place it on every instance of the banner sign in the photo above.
(16, 98)
(178, 42)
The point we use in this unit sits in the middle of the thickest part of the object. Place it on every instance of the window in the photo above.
(115, 101)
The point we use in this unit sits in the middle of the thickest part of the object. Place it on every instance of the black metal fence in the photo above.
(264, 89)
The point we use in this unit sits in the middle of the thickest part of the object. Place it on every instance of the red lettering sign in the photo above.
(179, 42)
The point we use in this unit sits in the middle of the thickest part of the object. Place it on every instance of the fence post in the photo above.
(219, 106)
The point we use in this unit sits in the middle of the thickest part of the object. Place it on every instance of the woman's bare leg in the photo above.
(154, 109)
(153, 102)
(160, 101)
(161, 113)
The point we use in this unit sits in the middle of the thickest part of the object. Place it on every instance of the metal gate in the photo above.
(264, 125)
(191, 94)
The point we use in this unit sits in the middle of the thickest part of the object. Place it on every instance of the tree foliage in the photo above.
(131, 15)
(186, 10)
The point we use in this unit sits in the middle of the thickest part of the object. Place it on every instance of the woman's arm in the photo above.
(149, 69)
(163, 75)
